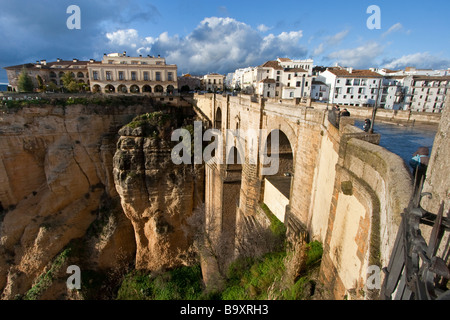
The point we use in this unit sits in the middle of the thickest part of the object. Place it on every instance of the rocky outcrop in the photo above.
(156, 195)
(56, 184)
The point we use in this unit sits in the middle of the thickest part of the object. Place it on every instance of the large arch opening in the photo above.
(122, 89)
(134, 89)
(96, 88)
(170, 89)
(278, 173)
(159, 89)
(110, 88)
(218, 119)
(147, 89)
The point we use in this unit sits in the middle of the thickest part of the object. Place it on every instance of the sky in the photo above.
(220, 36)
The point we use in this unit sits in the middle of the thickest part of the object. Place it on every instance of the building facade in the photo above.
(292, 78)
(214, 82)
(353, 87)
(123, 74)
(46, 72)
(427, 93)
(116, 73)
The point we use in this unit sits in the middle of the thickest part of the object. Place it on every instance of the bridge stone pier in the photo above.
(335, 185)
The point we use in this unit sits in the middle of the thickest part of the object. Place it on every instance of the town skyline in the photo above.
(203, 37)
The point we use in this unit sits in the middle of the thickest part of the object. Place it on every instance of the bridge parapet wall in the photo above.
(372, 188)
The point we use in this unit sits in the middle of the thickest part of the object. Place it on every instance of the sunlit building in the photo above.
(123, 74)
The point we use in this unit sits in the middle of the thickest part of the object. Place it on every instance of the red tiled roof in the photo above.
(272, 64)
(295, 70)
(355, 73)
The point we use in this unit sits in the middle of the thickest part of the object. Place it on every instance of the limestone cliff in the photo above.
(56, 184)
(156, 195)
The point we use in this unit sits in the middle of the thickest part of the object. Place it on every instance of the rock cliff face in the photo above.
(57, 185)
(156, 195)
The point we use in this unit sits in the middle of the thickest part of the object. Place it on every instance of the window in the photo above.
(146, 78)
(356, 82)
(361, 90)
(291, 94)
(349, 90)
(108, 75)
(95, 75)
(289, 76)
(121, 75)
(158, 76)
(348, 82)
(170, 76)
(133, 75)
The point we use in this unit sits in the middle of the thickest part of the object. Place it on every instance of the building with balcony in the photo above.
(291, 78)
(46, 72)
(214, 82)
(352, 87)
(427, 93)
(119, 73)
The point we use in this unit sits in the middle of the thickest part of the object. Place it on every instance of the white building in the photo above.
(214, 82)
(320, 91)
(427, 93)
(292, 78)
(124, 74)
(352, 87)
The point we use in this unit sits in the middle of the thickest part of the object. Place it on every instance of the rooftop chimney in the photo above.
(125, 53)
(58, 60)
(44, 62)
(91, 60)
(75, 60)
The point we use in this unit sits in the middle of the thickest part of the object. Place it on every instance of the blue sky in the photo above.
(219, 36)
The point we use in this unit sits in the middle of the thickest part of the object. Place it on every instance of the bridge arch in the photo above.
(218, 119)
(276, 186)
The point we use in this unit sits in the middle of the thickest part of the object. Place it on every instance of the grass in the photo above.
(45, 280)
(247, 279)
(276, 226)
(183, 283)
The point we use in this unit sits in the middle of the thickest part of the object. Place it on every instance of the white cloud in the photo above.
(123, 37)
(319, 50)
(422, 60)
(395, 28)
(361, 57)
(330, 41)
(263, 28)
(215, 45)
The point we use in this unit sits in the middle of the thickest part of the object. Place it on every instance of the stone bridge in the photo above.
(336, 186)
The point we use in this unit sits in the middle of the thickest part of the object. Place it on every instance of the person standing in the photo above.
(419, 164)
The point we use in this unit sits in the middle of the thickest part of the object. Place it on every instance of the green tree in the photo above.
(41, 85)
(25, 84)
(52, 87)
(69, 82)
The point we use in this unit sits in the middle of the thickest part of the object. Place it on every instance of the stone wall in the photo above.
(396, 116)
(372, 188)
(437, 181)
